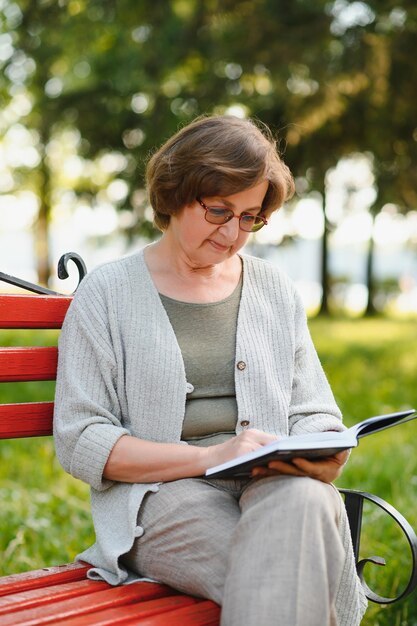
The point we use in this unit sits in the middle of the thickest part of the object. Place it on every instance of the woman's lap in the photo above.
(190, 524)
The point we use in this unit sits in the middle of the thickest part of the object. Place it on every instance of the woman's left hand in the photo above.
(326, 470)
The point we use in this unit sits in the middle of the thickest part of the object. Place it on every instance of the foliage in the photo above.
(331, 77)
(44, 518)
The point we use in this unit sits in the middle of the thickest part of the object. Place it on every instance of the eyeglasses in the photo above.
(219, 215)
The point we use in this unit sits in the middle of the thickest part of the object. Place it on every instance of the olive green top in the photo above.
(206, 334)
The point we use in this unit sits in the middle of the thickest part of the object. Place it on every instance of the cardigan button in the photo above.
(244, 423)
(241, 365)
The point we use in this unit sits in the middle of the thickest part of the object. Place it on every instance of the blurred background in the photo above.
(89, 88)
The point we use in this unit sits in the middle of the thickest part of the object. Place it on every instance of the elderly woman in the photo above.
(188, 354)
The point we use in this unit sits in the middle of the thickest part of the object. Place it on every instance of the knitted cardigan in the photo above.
(120, 371)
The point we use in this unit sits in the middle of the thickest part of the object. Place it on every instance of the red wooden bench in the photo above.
(63, 595)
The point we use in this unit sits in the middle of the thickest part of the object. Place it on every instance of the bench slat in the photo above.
(27, 364)
(38, 597)
(206, 613)
(44, 577)
(129, 614)
(28, 419)
(33, 311)
(111, 597)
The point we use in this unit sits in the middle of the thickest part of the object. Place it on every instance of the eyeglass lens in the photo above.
(220, 215)
(247, 221)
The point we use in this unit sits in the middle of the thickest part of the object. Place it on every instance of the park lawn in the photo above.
(372, 367)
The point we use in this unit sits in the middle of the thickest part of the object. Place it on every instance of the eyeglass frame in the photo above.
(232, 215)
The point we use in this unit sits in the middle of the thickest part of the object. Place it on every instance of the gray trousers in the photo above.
(268, 550)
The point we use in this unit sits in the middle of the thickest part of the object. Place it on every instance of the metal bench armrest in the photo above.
(354, 508)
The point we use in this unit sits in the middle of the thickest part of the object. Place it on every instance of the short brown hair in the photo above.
(216, 155)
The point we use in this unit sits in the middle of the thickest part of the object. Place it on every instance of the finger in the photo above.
(258, 436)
(261, 472)
(302, 467)
(258, 472)
(286, 468)
(310, 466)
(342, 456)
(315, 469)
(326, 471)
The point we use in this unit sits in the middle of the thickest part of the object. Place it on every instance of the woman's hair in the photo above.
(215, 156)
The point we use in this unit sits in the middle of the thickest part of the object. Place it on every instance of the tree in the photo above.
(369, 97)
(126, 74)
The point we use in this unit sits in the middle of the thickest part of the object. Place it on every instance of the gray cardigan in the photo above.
(120, 372)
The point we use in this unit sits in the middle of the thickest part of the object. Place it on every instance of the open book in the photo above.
(309, 446)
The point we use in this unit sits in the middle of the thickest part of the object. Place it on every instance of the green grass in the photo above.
(372, 367)
(45, 513)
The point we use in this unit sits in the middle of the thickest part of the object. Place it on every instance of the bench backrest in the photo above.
(29, 363)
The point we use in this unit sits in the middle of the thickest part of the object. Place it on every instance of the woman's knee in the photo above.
(292, 493)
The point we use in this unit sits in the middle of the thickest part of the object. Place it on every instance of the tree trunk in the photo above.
(41, 229)
(324, 270)
(369, 277)
(42, 245)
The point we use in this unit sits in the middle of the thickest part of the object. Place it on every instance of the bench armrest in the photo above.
(354, 508)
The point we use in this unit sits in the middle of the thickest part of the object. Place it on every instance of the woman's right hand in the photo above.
(137, 460)
(247, 441)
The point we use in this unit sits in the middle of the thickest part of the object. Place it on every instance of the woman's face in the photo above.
(208, 244)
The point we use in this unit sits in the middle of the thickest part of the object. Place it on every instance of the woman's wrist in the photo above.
(138, 460)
